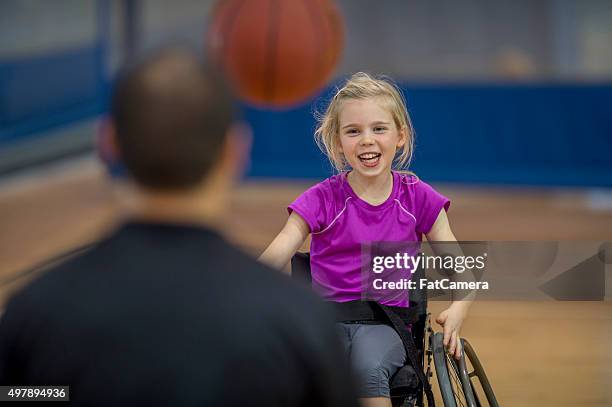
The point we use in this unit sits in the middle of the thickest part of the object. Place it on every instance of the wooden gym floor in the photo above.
(536, 353)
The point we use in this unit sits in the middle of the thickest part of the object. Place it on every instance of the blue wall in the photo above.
(51, 90)
(535, 134)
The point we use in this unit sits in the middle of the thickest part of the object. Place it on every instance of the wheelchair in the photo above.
(461, 382)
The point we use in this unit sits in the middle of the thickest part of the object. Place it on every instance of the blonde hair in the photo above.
(363, 86)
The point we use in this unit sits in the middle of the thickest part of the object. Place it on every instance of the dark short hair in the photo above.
(171, 113)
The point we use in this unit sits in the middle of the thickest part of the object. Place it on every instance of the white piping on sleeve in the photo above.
(335, 219)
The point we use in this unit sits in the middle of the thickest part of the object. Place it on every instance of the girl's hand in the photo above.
(451, 320)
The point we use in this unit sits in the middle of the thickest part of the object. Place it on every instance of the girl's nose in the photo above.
(366, 139)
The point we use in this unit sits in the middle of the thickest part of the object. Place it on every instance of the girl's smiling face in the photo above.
(368, 136)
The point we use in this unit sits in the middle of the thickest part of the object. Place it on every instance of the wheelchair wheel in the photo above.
(453, 378)
(475, 369)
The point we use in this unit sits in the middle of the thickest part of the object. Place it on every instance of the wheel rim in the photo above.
(476, 370)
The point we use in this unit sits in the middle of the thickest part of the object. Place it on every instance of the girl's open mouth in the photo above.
(369, 159)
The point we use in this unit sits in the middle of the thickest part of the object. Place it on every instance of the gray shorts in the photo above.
(376, 352)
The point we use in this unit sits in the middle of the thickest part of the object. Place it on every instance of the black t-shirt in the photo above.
(173, 315)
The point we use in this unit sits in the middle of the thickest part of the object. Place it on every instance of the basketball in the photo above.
(276, 53)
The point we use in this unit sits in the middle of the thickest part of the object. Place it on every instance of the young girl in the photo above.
(367, 134)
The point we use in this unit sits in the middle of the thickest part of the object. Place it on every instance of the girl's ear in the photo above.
(340, 152)
(403, 136)
(338, 144)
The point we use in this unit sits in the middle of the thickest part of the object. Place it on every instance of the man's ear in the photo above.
(107, 149)
(237, 149)
(106, 144)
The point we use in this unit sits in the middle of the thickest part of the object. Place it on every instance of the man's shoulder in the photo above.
(276, 292)
(217, 266)
(277, 285)
(54, 274)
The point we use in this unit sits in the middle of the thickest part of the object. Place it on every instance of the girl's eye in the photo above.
(352, 132)
(379, 129)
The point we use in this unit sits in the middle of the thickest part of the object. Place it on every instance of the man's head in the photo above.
(171, 117)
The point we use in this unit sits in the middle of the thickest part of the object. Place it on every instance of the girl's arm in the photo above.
(452, 318)
(288, 241)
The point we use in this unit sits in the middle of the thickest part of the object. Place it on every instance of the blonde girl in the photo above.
(367, 135)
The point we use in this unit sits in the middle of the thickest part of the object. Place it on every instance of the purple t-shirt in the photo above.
(340, 222)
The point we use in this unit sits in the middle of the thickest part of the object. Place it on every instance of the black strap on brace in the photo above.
(411, 352)
(399, 317)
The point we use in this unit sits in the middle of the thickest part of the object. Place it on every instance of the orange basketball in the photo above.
(277, 53)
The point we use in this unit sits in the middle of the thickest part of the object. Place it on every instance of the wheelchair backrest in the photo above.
(300, 270)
